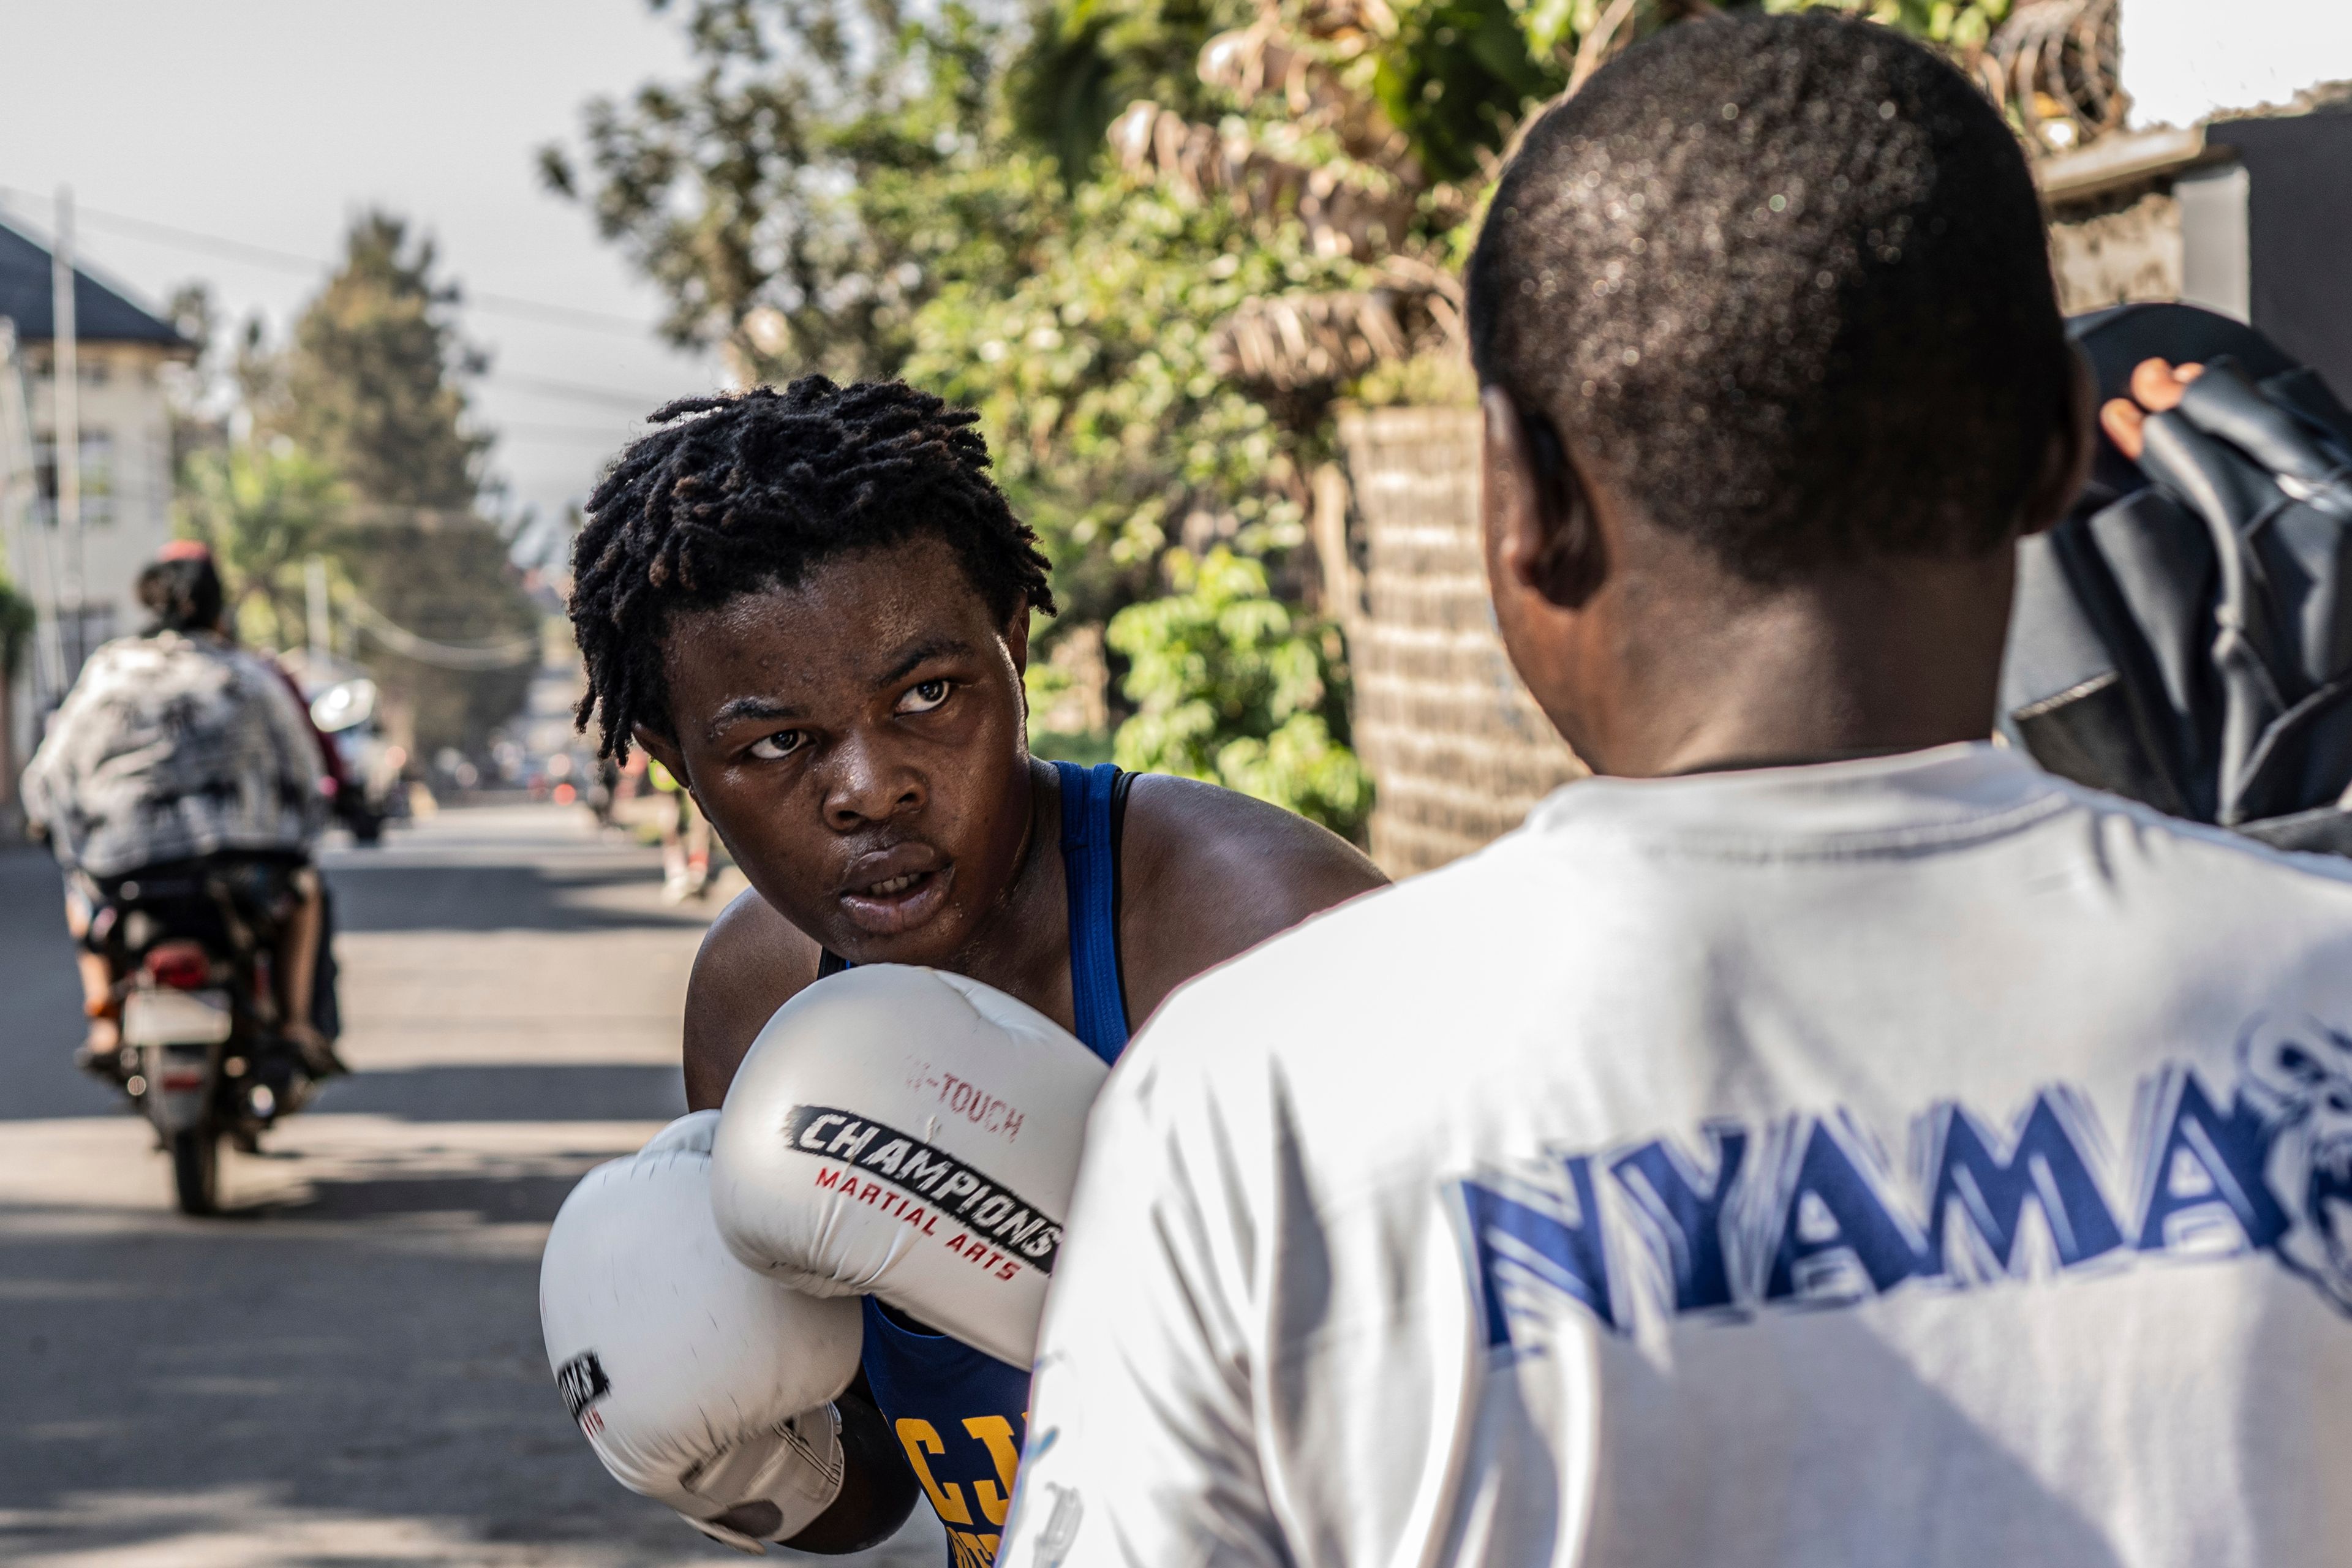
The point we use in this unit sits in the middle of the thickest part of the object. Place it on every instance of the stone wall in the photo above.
(1457, 748)
(2118, 253)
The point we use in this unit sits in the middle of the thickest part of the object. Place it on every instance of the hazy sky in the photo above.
(272, 121)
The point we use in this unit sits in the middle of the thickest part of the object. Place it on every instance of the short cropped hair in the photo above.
(1783, 281)
(180, 594)
(744, 494)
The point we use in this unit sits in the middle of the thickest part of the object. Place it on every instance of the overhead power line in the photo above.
(504, 655)
(293, 262)
(309, 265)
(604, 434)
(428, 519)
(635, 402)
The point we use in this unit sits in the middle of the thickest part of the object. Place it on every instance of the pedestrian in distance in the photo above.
(685, 838)
(1821, 1138)
(812, 608)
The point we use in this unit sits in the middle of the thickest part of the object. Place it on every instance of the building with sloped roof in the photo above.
(123, 350)
(101, 315)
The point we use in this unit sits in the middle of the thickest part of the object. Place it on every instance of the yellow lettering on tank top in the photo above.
(973, 1550)
(997, 1433)
(918, 1438)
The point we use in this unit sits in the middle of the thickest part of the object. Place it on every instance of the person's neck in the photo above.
(1854, 664)
(1023, 941)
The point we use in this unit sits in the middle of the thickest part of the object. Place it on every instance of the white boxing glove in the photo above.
(699, 1383)
(913, 1135)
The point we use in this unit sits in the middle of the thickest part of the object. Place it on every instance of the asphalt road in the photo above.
(346, 1368)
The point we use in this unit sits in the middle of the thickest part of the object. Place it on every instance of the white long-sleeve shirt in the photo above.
(1916, 1160)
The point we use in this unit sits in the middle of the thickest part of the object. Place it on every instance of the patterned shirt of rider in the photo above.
(173, 747)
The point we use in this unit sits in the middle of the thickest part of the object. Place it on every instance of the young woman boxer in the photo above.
(812, 606)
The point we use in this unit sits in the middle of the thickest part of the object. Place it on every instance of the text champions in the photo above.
(986, 1208)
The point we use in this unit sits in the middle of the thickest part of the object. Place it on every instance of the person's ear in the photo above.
(661, 749)
(1016, 640)
(2067, 461)
(1540, 530)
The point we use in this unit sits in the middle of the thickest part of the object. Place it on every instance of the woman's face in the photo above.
(860, 742)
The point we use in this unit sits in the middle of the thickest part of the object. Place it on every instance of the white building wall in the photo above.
(122, 399)
(2185, 62)
(123, 413)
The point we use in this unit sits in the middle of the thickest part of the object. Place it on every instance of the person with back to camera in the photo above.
(176, 749)
(812, 608)
(1821, 1138)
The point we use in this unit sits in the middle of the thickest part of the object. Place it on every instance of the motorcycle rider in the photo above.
(173, 748)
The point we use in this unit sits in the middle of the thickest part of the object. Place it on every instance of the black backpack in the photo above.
(2184, 637)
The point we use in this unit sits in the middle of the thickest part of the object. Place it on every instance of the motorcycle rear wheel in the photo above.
(195, 1168)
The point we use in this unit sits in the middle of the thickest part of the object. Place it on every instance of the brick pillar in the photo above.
(1458, 749)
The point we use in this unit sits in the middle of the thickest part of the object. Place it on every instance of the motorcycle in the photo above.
(193, 949)
(344, 715)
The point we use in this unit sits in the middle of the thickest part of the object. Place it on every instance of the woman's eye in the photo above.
(775, 747)
(922, 699)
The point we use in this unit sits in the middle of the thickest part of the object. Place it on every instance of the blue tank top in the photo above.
(960, 1413)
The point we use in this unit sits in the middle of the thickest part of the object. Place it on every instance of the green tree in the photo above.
(1157, 381)
(1153, 241)
(371, 381)
(1960, 25)
(824, 170)
(1230, 685)
(935, 197)
(1097, 379)
(265, 507)
(371, 385)
(16, 620)
(1077, 65)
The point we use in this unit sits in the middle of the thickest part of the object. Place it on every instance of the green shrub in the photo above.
(1230, 685)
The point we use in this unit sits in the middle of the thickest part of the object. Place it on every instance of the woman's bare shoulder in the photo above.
(1207, 873)
(752, 961)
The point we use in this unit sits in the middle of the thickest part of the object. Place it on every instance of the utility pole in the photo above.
(66, 414)
(314, 591)
(20, 519)
(31, 557)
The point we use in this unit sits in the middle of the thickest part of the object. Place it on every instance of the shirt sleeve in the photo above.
(38, 790)
(1142, 1443)
(51, 780)
(294, 744)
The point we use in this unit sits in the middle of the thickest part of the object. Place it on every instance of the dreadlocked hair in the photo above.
(746, 492)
